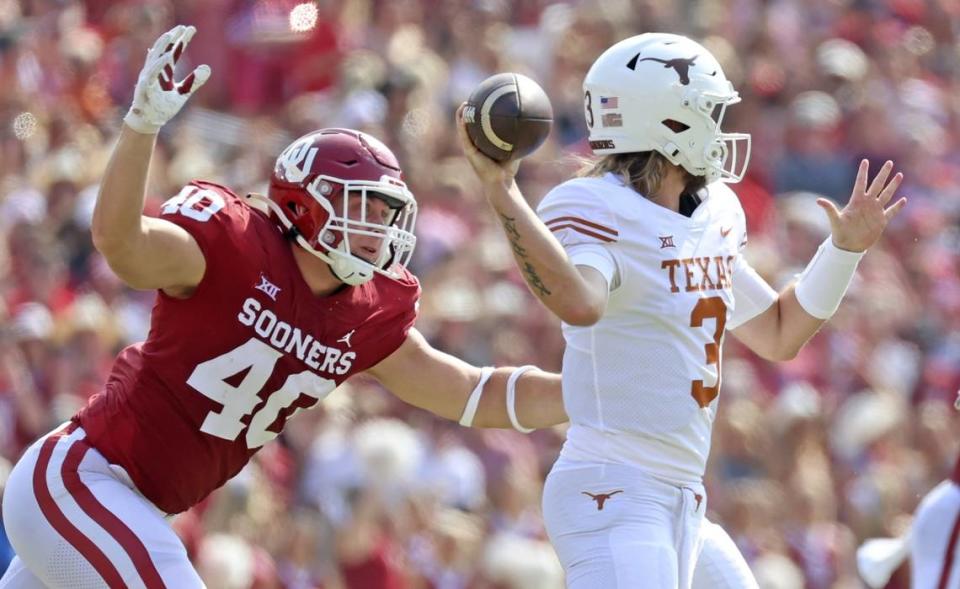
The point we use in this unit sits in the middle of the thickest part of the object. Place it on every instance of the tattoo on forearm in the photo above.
(513, 236)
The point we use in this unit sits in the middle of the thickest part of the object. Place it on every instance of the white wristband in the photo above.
(473, 401)
(512, 397)
(821, 286)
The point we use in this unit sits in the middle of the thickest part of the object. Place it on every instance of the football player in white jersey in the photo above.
(641, 257)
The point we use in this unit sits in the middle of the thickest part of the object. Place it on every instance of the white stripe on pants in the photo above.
(78, 524)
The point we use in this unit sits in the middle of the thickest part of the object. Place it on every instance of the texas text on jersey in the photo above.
(222, 370)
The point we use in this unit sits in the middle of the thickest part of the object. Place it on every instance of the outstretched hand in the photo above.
(489, 170)
(158, 97)
(859, 225)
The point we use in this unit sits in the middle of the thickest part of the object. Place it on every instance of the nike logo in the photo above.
(725, 231)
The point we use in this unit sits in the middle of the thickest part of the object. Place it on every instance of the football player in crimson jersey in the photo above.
(641, 257)
(935, 537)
(932, 542)
(258, 315)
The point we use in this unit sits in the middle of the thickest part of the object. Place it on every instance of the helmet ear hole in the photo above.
(716, 113)
(675, 126)
(293, 208)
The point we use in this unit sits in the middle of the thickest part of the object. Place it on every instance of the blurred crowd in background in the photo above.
(810, 457)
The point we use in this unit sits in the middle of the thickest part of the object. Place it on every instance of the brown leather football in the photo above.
(508, 116)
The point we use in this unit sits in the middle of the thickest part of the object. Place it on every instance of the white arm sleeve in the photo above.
(597, 257)
(751, 294)
(582, 221)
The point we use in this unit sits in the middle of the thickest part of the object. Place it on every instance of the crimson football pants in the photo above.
(76, 522)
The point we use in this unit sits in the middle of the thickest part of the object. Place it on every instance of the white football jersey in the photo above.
(641, 385)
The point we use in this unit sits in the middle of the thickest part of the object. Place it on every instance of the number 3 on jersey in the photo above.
(709, 308)
(259, 359)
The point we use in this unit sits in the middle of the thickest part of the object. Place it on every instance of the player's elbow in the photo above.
(129, 272)
(112, 232)
(104, 242)
(789, 353)
(782, 353)
(585, 300)
(121, 256)
(789, 345)
(106, 239)
(116, 252)
(583, 313)
(116, 244)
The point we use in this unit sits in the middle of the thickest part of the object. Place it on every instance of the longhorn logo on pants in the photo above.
(601, 498)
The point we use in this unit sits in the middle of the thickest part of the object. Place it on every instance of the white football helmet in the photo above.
(665, 93)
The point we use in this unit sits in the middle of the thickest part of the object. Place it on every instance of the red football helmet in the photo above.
(321, 188)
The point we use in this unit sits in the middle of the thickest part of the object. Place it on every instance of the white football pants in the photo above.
(616, 527)
(934, 542)
(720, 565)
(78, 523)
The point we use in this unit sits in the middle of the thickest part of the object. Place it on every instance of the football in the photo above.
(508, 116)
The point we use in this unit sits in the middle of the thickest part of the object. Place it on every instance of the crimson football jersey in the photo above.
(221, 371)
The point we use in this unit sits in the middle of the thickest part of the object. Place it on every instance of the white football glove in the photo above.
(158, 97)
(878, 558)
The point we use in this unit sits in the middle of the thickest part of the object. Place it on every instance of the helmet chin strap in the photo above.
(347, 272)
(343, 267)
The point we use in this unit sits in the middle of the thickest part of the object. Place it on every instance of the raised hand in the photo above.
(858, 226)
(158, 97)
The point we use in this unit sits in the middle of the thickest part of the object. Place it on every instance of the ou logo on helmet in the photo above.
(297, 161)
